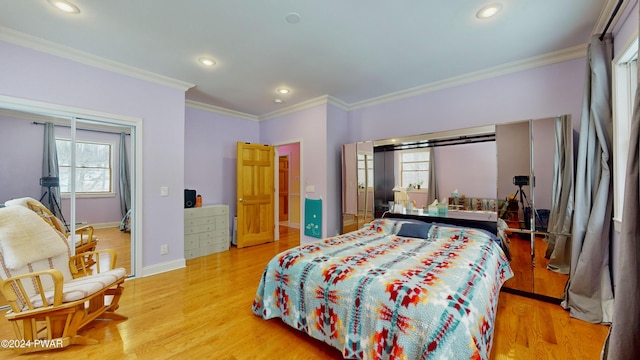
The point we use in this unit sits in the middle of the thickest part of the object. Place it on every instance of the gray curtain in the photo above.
(432, 190)
(624, 334)
(50, 195)
(561, 212)
(124, 184)
(589, 294)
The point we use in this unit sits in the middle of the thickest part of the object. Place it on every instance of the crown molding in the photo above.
(571, 53)
(331, 100)
(320, 100)
(39, 44)
(220, 110)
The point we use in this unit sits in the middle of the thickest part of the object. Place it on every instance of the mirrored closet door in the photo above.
(535, 176)
(357, 185)
(81, 187)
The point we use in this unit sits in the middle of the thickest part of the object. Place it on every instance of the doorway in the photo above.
(289, 194)
(283, 189)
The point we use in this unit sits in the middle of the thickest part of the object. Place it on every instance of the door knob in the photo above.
(241, 200)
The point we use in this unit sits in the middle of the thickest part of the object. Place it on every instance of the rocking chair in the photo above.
(51, 298)
(85, 241)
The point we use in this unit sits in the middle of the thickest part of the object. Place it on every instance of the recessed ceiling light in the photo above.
(488, 11)
(283, 91)
(65, 6)
(278, 101)
(292, 18)
(207, 61)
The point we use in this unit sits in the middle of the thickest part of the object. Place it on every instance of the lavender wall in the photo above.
(626, 27)
(37, 76)
(21, 158)
(210, 154)
(543, 161)
(464, 168)
(511, 163)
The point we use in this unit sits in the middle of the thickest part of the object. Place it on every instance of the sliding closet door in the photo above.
(514, 168)
(29, 172)
(101, 178)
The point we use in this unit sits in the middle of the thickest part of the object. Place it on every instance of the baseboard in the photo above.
(163, 267)
(100, 225)
(529, 295)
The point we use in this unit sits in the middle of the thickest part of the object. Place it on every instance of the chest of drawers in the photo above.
(206, 230)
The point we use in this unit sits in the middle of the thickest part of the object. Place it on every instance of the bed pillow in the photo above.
(415, 230)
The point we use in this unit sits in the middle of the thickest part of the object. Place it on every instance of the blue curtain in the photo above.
(124, 184)
(561, 212)
(432, 186)
(589, 294)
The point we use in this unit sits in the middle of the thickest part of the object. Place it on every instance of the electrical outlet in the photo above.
(164, 249)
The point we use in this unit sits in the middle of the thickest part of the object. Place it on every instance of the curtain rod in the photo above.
(615, 12)
(68, 126)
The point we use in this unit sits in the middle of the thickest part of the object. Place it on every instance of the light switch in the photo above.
(164, 191)
(310, 188)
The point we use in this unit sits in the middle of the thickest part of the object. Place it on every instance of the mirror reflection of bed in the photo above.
(475, 167)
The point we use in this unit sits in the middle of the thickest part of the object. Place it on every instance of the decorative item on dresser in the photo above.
(206, 230)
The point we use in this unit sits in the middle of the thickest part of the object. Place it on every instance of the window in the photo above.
(93, 170)
(365, 170)
(414, 168)
(625, 83)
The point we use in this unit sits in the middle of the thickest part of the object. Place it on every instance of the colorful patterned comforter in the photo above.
(375, 295)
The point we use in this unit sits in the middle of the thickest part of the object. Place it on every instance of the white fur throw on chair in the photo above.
(37, 240)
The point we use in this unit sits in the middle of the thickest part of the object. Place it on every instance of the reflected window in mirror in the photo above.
(365, 171)
(625, 82)
(413, 168)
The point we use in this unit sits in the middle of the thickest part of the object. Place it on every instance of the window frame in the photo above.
(625, 81)
(100, 194)
(367, 169)
(399, 172)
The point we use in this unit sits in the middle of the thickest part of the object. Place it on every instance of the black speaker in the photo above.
(189, 198)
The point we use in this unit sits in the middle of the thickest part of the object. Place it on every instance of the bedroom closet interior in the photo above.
(519, 174)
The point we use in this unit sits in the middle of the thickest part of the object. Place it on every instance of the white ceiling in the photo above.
(352, 50)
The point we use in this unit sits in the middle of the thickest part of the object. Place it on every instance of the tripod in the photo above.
(523, 198)
(53, 203)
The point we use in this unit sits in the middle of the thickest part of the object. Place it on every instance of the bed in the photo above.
(394, 289)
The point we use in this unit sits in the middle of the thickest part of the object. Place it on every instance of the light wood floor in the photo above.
(120, 241)
(204, 312)
(533, 278)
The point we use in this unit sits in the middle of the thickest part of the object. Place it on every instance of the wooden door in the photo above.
(283, 187)
(255, 194)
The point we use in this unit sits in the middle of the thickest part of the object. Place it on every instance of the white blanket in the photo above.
(26, 238)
